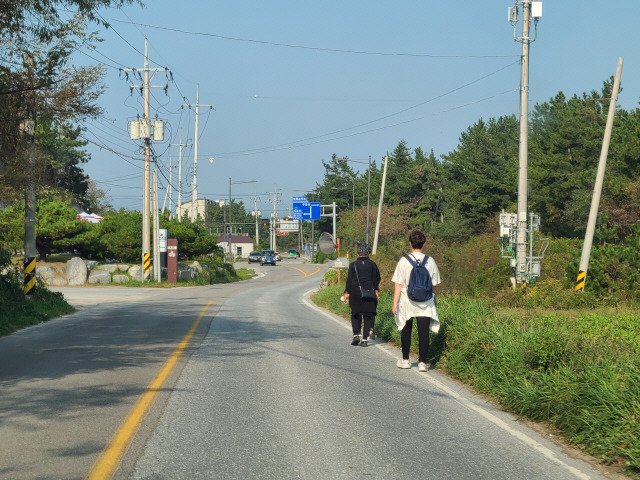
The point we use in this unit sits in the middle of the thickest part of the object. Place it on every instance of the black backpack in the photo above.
(420, 288)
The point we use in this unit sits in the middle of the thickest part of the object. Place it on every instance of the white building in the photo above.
(241, 245)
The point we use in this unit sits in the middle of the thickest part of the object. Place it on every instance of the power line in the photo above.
(306, 47)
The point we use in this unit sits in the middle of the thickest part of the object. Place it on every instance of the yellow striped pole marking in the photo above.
(580, 281)
(29, 275)
(109, 460)
(147, 265)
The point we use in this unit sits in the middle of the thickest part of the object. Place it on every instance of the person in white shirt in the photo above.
(405, 309)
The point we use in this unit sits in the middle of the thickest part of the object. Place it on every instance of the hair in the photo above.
(417, 239)
(363, 249)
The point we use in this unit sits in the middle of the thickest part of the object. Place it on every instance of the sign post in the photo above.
(172, 260)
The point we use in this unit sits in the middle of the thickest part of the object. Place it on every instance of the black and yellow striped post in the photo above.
(29, 275)
(147, 266)
(582, 275)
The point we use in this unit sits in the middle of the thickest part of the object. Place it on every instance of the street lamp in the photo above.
(229, 216)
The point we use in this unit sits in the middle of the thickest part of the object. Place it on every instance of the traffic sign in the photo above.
(306, 210)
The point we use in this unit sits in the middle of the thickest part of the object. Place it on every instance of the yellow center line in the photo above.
(109, 460)
(302, 272)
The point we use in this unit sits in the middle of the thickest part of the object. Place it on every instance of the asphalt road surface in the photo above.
(247, 380)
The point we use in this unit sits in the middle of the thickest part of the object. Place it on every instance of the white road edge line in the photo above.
(479, 410)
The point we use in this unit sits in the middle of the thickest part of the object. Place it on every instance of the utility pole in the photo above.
(180, 145)
(523, 149)
(156, 226)
(274, 216)
(384, 180)
(28, 128)
(597, 190)
(146, 134)
(368, 197)
(254, 199)
(194, 196)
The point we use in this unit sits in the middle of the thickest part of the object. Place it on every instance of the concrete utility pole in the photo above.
(254, 199)
(180, 145)
(597, 190)
(521, 238)
(384, 180)
(146, 201)
(156, 226)
(274, 217)
(194, 196)
(28, 127)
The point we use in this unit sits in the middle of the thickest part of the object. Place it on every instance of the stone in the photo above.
(135, 272)
(46, 272)
(186, 275)
(196, 267)
(99, 276)
(107, 268)
(76, 271)
(90, 264)
(56, 281)
(123, 268)
(120, 278)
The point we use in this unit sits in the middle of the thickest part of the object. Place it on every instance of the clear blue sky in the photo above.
(293, 82)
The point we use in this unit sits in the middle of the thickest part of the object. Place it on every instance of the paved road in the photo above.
(268, 387)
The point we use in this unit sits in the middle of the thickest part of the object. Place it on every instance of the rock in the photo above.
(135, 272)
(99, 276)
(123, 268)
(186, 275)
(107, 268)
(196, 267)
(120, 279)
(76, 271)
(45, 272)
(56, 281)
(90, 264)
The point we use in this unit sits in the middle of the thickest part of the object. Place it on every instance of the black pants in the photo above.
(357, 319)
(423, 338)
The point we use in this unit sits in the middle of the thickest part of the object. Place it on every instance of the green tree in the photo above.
(121, 236)
(480, 174)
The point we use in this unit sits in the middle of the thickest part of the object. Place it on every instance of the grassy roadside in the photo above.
(577, 370)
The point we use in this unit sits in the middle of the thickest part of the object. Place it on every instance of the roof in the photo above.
(235, 239)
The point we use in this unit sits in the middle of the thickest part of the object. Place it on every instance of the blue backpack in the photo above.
(420, 288)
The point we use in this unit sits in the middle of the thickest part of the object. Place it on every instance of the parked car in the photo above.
(293, 253)
(255, 257)
(268, 259)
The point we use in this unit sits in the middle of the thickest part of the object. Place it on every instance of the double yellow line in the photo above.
(302, 272)
(109, 460)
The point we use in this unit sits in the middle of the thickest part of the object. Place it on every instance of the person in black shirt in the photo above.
(363, 274)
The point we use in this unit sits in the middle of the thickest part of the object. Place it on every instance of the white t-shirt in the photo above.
(407, 308)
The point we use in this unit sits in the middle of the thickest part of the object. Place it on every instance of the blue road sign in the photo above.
(306, 210)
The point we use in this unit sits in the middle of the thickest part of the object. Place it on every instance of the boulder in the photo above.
(56, 281)
(90, 264)
(99, 276)
(135, 271)
(186, 275)
(76, 271)
(107, 268)
(120, 278)
(45, 272)
(123, 268)
(196, 267)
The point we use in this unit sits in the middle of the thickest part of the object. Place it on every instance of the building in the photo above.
(241, 245)
(201, 208)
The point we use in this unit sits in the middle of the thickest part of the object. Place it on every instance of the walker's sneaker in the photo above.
(363, 343)
(422, 367)
(403, 364)
(356, 340)
(372, 336)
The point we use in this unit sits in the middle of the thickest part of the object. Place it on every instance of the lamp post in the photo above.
(229, 216)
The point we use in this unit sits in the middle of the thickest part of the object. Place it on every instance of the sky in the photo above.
(292, 82)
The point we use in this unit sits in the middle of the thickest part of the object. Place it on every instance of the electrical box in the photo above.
(513, 14)
(145, 128)
(536, 9)
(134, 129)
(158, 130)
